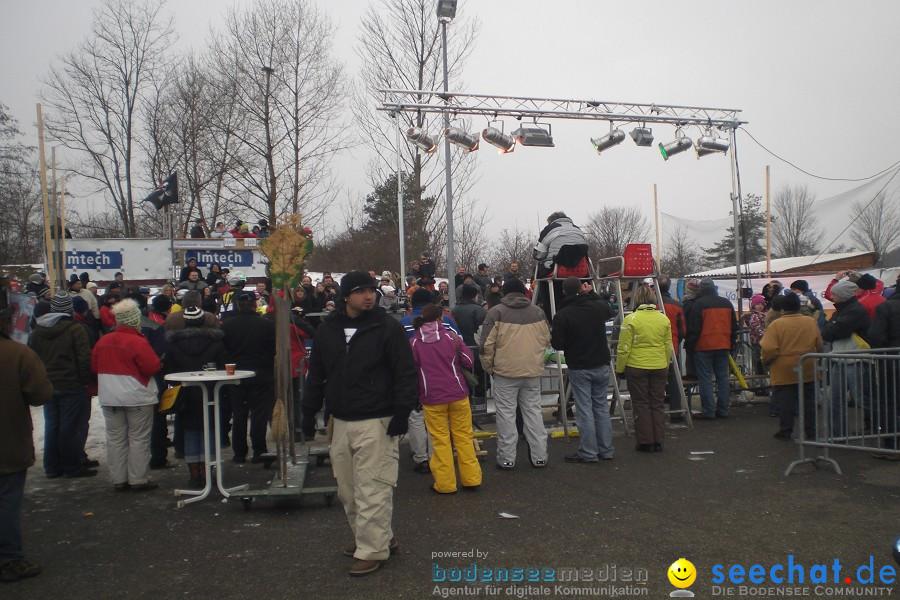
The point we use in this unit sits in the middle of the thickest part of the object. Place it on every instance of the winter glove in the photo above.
(399, 424)
(308, 426)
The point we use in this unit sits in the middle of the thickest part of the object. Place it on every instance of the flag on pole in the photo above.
(165, 194)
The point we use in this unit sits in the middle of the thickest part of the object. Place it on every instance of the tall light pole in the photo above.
(446, 10)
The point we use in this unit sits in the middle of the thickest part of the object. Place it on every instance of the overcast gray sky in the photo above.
(818, 81)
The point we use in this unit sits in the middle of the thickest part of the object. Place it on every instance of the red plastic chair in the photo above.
(580, 270)
(638, 260)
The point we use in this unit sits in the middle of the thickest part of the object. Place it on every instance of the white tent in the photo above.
(834, 213)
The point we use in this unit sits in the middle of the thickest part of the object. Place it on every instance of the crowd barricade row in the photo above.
(854, 405)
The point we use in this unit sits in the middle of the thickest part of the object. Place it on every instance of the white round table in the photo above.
(203, 380)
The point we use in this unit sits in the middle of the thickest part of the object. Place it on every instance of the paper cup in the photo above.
(229, 368)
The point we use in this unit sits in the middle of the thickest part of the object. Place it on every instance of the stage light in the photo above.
(613, 138)
(496, 137)
(680, 144)
(533, 136)
(421, 139)
(712, 143)
(469, 141)
(642, 136)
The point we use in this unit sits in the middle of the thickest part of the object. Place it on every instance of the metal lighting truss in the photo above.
(395, 101)
(523, 107)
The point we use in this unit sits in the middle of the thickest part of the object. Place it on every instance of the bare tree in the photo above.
(400, 48)
(20, 200)
(192, 121)
(876, 225)
(93, 95)
(795, 230)
(681, 255)
(513, 246)
(611, 228)
(470, 243)
(275, 55)
(95, 224)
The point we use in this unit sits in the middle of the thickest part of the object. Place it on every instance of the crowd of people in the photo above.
(389, 358)
(785, 324)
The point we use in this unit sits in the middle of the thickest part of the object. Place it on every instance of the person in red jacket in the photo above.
(711, 334)
(869, 293)
(125, 364)
(107, 320)
(675, 312)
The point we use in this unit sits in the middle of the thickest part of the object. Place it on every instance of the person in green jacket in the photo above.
(645, 346)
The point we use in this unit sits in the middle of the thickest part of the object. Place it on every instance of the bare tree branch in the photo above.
(795, 230)
(876, 225)
(93, 95)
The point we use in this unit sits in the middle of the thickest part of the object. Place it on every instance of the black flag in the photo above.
(166, 193)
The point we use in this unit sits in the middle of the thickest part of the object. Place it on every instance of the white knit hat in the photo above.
(127, 313)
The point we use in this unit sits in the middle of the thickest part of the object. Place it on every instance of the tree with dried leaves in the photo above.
(876, 224)
(681, 254)
(400, 48)
(289, 91)
(93, 97)
(795, 224)
(612, 228)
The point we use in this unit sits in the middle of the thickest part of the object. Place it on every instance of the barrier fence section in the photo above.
(851, 404)
(482, 391)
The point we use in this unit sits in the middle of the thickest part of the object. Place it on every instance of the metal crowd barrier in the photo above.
(482, 393)
(854, 404)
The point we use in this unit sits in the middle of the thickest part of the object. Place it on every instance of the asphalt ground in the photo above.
(638, 512)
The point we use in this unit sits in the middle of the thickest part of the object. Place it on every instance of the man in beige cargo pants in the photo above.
(362, 367)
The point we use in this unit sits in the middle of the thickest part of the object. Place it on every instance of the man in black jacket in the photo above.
(579, 330)
(884, 332)
(363, 367)
(250, 345)
(469, 315)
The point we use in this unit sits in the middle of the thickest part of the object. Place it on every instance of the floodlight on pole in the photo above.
(457, 136)
(613, 138)
(496, 137)
(421, 139)
(679, 145)
(446, 9)
(642, 136)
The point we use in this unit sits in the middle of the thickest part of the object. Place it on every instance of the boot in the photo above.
(198, 475)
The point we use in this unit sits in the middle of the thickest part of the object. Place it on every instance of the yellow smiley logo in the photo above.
(682, 573)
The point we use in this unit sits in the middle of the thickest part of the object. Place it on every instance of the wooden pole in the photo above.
(768, 226)
(656, 222)
(48, 249)
(58, 268)
(62, 223)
